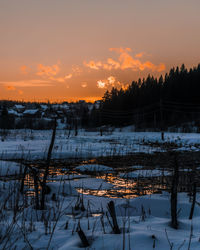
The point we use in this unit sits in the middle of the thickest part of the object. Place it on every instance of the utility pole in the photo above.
(154, 117)
(161, 121)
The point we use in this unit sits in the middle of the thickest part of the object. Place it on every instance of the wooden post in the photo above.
(174, 189)
(161, 121)
(194, 192)
(111, 209)
(82, 236)
(46, 173)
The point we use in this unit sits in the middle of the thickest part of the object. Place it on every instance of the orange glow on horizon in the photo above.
(53, 100)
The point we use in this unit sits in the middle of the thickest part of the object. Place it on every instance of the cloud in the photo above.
(109, 65)
(48, 75)
(93, 65)
(24, 70)
(25, 83)
(111, 79)
(48, 70)
(128, 62)
(111, 82)
(161, 67)
(10, 88)
(121, 50)
(68, 76)
(139, 55)
(113, 63)
(125, 61)
(76, 69)
(101, 84)
(84, 84)
(51, 73)
(60, 79)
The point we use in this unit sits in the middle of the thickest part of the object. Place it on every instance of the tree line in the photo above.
(154, 102)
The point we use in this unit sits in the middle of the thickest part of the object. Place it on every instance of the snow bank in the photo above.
(91, 183)
(34, 144)
(60, 188)
(8, 168)
(137, 167)
(147, 173)
(94, 168)
(156, 205)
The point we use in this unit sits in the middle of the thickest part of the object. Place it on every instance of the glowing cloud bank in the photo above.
(125, 61)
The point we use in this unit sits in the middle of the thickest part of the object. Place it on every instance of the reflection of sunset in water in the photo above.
(122, 188)
(125, 188)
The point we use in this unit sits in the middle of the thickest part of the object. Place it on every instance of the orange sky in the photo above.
(71, 50)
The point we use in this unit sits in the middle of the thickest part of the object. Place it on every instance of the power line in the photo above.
(180, 103)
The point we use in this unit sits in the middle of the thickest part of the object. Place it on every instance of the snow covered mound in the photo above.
(145, 173)
(157, 205)
(63, 189)
(92, 183)
(137, 167)
(67, 177)
(94, 168)
(8, 168)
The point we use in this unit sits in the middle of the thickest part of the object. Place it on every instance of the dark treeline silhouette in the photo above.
(155, 102)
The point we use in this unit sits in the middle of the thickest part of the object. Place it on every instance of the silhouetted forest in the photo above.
(155, 102)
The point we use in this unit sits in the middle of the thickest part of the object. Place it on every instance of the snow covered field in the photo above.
(34, 144)
(144, 222)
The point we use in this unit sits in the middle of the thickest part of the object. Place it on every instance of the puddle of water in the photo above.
(90, 214)
(122, 188)
(126, 188)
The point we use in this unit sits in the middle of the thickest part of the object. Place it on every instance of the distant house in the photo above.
(90, 107)
(97, 104)
(19, 108)
(32, 113)
(59, 114)
(13, 112)
(55, 106)
(65, 106)
(43, 107)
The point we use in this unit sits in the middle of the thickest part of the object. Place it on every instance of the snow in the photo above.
(34, 144)
(30, 111)
(185, 170)
(156, 205)
(19, 106)
(91, 183)
(61, 188)
(67, 177)
(137, 167)
(60, 125)
(43, 107)
(145, 173)
(94, 168)
(8, 168)
(141, 228)
(13, 112)
(145, 219)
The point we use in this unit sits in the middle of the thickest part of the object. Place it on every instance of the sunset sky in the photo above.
(76, 49)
